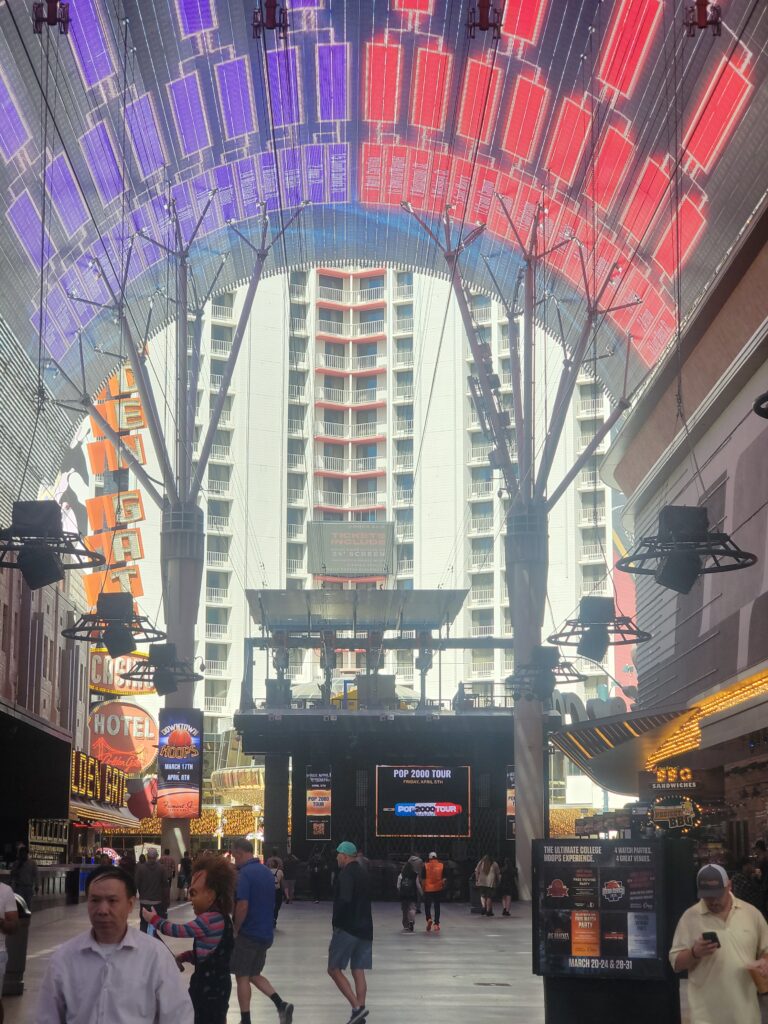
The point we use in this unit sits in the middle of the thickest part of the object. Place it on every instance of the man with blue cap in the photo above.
(352, 940)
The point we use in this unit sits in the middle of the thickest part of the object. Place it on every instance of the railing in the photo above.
(297, 291)
(404, 427)
(403, 358)
(294, 566)
(221, 451)
(367, 395)
(481, 596)
(404, 291)
(586, 440)
(216, 630)
(332, 294)
(482, 669)
(332, 463)
(295, 460)
(404, 496)
(404, 462)
(216, 595)
(367, 329)
(216, 668)
(297, 360)
(481, 314)
(483, 524)
(482, 560)
(225, 418)
(336, 395)
(368, 295)
(405, 567)
(593, 516)
(506, 378)
(216, 558)
(367, 429)
(221, 312)
(482, 630)
(323, 428)
(369, 362)
(299, 325)
(591, 407)
(296, 495)
(367, 465)
(331, 327)
(334, 498)
(329, 361)
(296, 428)
(294, 530)
(481, 487)
(217, 379)
(220, 347)
(588, 478)
(295, 390)
(404, 531)
(480, 453)
(365, 499)
(218, 486)
(218, 522)
(215, 705)
(404, 325)
(404, 393)
(599, 588)
(591, 553)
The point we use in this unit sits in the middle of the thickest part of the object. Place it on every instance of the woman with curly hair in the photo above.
(212, 891)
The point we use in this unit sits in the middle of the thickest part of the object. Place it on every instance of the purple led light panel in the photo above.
(290, 175)
(233, 83)
(189, 114)
(248, 183)
(13, 131)
(25, 221)
(89, 42)
(145, 136)
(284, 86)
(332, 81)
(338, 172)
(194, 16)
(65, 195)
(314, 173)
(269, 182)
(226, 199)
(72, 285)
(102, 162)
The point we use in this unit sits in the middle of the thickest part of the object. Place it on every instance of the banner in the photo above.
(318, 788)
(350, 549)
(510, 801)
(180, 763)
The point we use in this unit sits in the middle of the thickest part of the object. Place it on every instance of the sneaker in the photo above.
(490, 914)
(505, 913)
(358, 1015)
(285, 1013)
(410, 926)
(429, 924)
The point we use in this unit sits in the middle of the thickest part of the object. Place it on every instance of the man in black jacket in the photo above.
(352, 939)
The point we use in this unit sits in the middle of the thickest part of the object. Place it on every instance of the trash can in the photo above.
(72, 885)
(16, 945)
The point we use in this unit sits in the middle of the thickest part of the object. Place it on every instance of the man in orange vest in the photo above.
(433, 885)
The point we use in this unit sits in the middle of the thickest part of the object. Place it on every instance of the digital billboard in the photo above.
(351, 549)
(423, 801)
(180, 763)
(123, 735)
(318, 804)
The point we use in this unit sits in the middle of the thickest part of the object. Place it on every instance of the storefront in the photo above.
(97, 803)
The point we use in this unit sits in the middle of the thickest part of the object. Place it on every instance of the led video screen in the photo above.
(423, 801)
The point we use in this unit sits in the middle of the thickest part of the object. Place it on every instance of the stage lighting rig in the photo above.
(50, 13)
(701, 15)
(115, 625)
(537, 681)
(163, 670)
(484, 16)
(270, 16)
(597, 628)
(684, 549)
(37, 538)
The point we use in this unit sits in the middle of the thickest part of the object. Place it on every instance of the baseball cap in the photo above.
(433, 856)
(349, 848)
(711, 880)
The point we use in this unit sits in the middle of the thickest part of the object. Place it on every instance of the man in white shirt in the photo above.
(9, 922)
(113, 974)
(718, 941)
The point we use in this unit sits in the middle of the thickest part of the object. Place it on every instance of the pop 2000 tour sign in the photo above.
(180, 763)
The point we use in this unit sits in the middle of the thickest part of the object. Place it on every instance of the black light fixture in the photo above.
(684, 549)
(114, 625)
(597, 628)
(537, 680)
(43, 550)
(163, 670)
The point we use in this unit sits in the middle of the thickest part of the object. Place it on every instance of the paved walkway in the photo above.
(477, 969)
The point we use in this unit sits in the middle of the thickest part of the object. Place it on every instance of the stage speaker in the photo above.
(594, 643)
(115, 607)
(596, 611)
(39, 565)
(683, 523)
(679, 571)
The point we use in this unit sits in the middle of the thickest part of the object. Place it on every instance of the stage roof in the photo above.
(362, 105)
(359, 610)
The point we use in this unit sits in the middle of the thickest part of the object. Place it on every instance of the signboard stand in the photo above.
(604, 912)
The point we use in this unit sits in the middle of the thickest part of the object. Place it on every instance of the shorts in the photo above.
(3, 965)
(248, 957)
(485, 890)
(346, 949)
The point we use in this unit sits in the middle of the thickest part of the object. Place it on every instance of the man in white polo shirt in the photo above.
(717, 941)
(9, 922)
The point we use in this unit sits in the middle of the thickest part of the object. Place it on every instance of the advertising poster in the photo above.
(597, 908)
(318, 804)
(510, 802)
(423, 800)
(123, 735)
(180, 763)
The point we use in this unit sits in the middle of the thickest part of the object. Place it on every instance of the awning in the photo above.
(613, 751)
(95, 812)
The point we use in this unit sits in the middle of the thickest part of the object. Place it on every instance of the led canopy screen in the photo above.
(423, 801)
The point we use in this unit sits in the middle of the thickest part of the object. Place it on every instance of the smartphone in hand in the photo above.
(711, 937)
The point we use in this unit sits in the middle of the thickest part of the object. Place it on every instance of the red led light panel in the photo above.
(524, 19)
(718, 112)
(383, 81)
(648, 195)
(569, 139)
(627, 43)
(614, 156)
(692, 221)
(431, 81)
(479, 101)
(371, 172)
(414, 6)
(530, 100)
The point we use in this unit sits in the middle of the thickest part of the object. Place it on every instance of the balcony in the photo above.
(332, 294)
(219, 312)
(404, 461)
(593, 516)
(405, 567)
(221, 452)
(218, 487)
(403, 325)
(481, 559)
(340, 330)
(215, 705)
(324, 428)
(367, 465)
(597, 588)
(226, 417)
(591, 553)
(216, 558)
(216, 630)
(365, 396)
(367, 429)
(403, 427)
(296, 392)
(216, 381)
(372, 362)
(218, 522)
(586, 440)
(482, 314)
(296, 428)
(295, 460)
(479, 488)
(404, 531)
(298, 291)
(296, 496)
(404, 496)
(297, 360)
(482, 630)
(590, 408)
(216, 595)
(404, 393)
(480, 452)
(403, 358)
(328, 361)
(332, 463)
(363, 295)
(365, 330)
(482, 669)
(482, 595)
(299, 325)
(294, 531)
(294, 567)
(403, 291)
(333, 498)
(367, 499)
(220, 347)
(216, 669)
(589, 480)
(337, 396)
(482, 524)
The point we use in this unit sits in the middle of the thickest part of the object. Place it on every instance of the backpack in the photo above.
(278, 882)
(408, 883)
